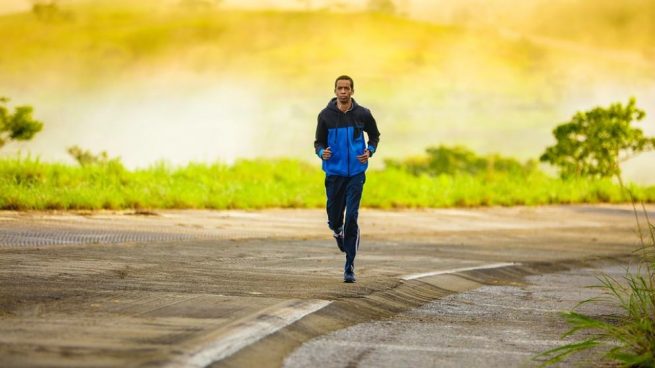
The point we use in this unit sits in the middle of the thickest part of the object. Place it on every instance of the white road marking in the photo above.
(438, 349)
(455, 270)
(249, 331)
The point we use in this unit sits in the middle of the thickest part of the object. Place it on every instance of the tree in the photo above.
(595, 142)
(455, 160)
(46, 10)
(382, 6)
(88, 158)
(200, 5)
(19, 126)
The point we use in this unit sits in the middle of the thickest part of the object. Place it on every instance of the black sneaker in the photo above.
(339, 238)
(349, 275)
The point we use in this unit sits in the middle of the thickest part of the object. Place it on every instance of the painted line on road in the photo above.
(455, 270)
(423, 348)
(249, 331)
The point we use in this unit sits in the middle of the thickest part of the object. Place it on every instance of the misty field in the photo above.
(28, 184)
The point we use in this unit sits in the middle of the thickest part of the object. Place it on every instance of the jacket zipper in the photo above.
(347, 143)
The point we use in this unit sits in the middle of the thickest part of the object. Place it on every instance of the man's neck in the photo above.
(344, 106)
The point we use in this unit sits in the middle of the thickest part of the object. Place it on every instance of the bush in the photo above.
(460, 160)
(19, 125)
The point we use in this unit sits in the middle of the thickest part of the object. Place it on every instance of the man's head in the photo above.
(344, 87)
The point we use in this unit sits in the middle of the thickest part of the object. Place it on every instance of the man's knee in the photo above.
(351, 218)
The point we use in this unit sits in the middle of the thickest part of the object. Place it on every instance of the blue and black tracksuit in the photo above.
(344, 174)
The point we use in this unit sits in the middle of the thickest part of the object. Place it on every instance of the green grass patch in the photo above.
(29, 184)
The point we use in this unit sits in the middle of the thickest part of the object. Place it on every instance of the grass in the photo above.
(29, 184)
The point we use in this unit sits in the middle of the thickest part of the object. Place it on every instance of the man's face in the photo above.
(343, 90)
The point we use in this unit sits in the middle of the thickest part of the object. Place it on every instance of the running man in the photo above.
(340, 144)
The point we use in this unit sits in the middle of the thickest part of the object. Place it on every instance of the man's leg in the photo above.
(354, 190)
(335, 189)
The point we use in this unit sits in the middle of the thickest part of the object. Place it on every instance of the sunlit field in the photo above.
(27, 184)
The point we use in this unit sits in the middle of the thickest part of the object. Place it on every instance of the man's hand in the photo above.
(363, 158)
(327, 154)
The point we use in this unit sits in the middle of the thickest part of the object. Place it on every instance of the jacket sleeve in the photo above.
(320, 141)
(371, 129)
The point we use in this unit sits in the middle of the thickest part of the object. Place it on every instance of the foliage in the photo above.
(381, 6)
(86, 157)
(50, 11)
(29, 184)
(199, 4)
(461, 160)
(45, 10)
(26, 183)
(19, 125)
(595, 142)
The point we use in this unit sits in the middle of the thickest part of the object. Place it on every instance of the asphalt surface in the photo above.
(490, 326)
(236, 289)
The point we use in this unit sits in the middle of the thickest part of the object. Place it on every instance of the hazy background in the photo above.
(202, 81)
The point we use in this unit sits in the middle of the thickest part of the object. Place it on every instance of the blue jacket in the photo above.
(343, 132)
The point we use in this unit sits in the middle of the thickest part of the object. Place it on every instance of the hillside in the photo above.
(622, 25)
(112, 39)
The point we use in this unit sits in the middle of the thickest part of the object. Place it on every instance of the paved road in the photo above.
(234, 288)
(489, 326)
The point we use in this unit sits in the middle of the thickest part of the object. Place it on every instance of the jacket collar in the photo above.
(332, 105)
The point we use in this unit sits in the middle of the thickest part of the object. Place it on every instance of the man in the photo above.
(340, 144)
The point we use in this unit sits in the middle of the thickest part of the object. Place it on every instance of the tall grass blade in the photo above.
(560, 353)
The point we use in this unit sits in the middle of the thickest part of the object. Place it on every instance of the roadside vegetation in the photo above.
(29, 184)
(443, 177)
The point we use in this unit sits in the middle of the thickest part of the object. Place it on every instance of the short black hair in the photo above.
(345, 77)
